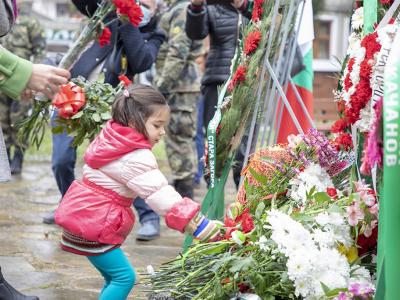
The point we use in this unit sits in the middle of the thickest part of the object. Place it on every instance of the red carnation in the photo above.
(344, 141)
(127, 82)
(257, 10)
(331, 192)
(386, 2)
(239, 76)
(246, 221)
(130, 9)
(341, 106)
(251, 42)
(339, 126)
(104, 38)
(347, 80)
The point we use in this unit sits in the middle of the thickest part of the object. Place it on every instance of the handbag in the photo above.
(6, 16)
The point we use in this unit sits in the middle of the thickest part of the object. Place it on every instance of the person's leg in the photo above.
(180, 141)
(117, 271)
(63, 161)
(5, 122)
(19, 110)
(200, 140)
(149, 220)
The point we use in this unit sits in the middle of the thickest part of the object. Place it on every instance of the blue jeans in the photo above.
(200, 140)
(63, 164)
(119, 275)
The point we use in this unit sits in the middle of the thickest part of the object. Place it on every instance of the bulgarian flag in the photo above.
(303, 81)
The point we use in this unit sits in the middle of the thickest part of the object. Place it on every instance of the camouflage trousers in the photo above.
(11, 111)
(181, 132)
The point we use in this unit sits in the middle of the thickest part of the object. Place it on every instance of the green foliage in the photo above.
(87, 123)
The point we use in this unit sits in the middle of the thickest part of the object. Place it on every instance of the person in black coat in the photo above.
(221, 22)
(132, 50)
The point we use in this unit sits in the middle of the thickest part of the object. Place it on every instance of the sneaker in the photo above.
(49, 218)
(149, 231)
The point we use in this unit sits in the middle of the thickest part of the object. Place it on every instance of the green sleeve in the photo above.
(15, 73)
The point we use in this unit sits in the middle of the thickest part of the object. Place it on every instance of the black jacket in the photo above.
(139, 46)
(221, 23)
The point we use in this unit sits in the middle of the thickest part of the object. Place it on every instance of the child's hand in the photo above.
(208, 230)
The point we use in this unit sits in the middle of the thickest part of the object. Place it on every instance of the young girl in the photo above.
(96, 213)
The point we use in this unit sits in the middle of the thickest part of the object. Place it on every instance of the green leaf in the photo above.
(77, 115)
(259, 210)
(106, 115)
(96, 117)
(325, 288)
(259, 177)
(57, 130)
(322, 197)
(242, 264)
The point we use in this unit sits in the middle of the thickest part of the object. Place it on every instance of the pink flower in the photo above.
(369, 228)
(374, 209)
(368, 199)
(354, 213)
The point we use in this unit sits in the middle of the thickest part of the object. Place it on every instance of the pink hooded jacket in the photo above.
(119, 167)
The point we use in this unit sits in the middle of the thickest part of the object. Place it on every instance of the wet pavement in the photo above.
(30, 257)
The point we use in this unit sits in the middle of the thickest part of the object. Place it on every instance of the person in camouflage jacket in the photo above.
(26, 40)
(178, 79)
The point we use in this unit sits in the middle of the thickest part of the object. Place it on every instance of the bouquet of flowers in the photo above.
(33, 128)
(292, 233)
(360, 87)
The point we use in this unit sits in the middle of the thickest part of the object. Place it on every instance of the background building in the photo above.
(332, 28)
(60, 20)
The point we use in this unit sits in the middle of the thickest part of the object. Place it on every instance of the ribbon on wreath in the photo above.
(389, 212)
(69, 100)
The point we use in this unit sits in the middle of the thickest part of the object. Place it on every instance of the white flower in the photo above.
(238, 237)
(263, 243)
(361, 275)
(314, 258)
(312, 176)
(294, 140)
(357, 19)
(150, 270)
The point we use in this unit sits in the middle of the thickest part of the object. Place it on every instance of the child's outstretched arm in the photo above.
(142, 175)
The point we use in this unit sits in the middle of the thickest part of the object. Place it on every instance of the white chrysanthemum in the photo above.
(357, 19)
(361, 275)
(310, 262)
(263, 243)
(312, 176)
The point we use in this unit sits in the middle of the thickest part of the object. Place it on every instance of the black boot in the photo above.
(16, 163)
(185, 187)
(7, 292)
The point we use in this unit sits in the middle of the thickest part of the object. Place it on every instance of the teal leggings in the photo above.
(118, 274)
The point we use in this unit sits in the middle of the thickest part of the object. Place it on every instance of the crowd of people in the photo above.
(118, 164)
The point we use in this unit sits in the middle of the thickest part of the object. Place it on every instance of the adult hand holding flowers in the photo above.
(47, 79)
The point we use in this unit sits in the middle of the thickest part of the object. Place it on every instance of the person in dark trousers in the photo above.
(221, 22)
(132, 50)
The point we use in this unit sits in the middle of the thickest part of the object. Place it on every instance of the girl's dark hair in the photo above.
(136, 108)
